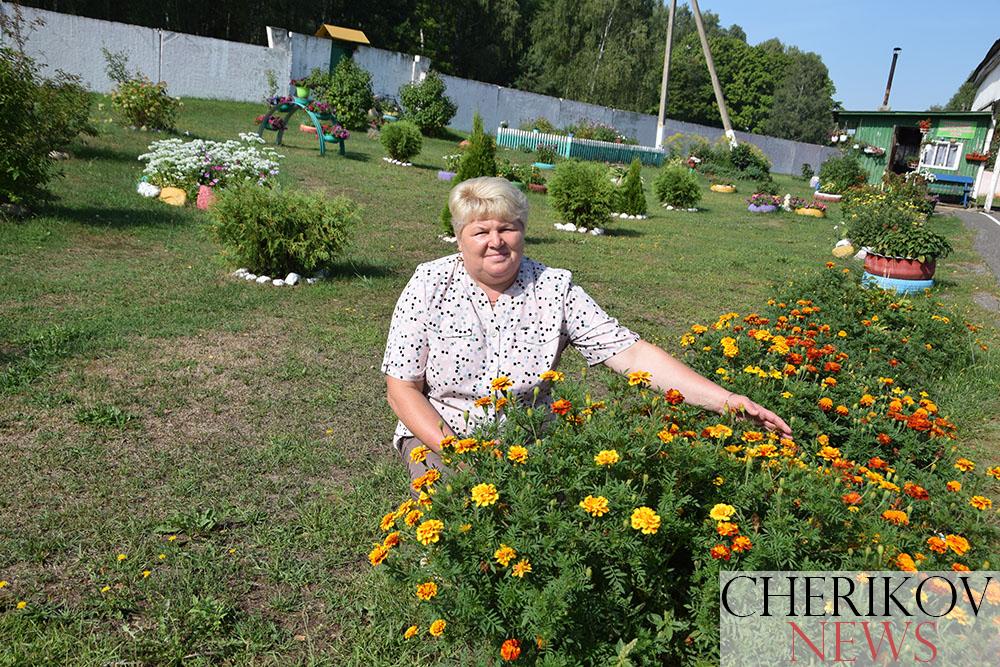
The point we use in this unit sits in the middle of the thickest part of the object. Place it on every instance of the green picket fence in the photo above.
(584, 149)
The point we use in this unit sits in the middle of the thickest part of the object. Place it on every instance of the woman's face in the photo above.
(492, 251)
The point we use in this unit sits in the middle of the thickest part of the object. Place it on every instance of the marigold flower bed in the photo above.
(577, 526)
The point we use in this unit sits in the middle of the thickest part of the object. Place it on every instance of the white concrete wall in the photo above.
(989, 91)
(308, 52)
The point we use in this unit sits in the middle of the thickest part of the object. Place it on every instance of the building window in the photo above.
(941, 155)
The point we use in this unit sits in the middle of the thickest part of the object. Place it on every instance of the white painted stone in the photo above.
(263, 279)
(842, 242)
(278, 282)
(669, 207)
(147, 189)
(250, 276)
(310, 281)
(582, 230)
(239, 273)
(569, 227)
(292, 278)
(693, 210)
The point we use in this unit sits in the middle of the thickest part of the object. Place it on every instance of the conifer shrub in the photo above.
(274, 231)
(581, 193)
(480, 157)
(676, 186)
(632, 199)
(426, 104)
(402, 140)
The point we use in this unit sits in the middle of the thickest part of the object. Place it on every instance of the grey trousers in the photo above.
(415, 469)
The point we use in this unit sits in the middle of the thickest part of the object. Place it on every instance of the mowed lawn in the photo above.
(194, 466)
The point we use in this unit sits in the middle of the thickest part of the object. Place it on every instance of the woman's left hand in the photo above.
(743, 406)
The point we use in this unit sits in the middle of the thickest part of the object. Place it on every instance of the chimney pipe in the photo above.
(888, 84)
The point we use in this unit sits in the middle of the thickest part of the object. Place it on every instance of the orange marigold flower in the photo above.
(427, 590)
(752, 436)
(552, 376)
(391, 540)
(504, 555)
(866, 401)
(831, 367)
(646, 520)
(561, 407)
(936, 544)
(896, 517)
(842, 410)
(915, 491)
(388, 521)
(742, 543)
(484, 494)
(510, 650)
(719, 431)
(852, 498)
(413, 517)
(429, 531)
(595, 506)
(377, 554)
(965, 465)
(953, 486)
(993, 472)
(466, 445)
(665, 436)
(640, 378)
(483, 402)
(727, 528)
(411, 632)
(829, 382)
(823, 439)
(419, 453)
(437, 628)
(877, 464)
(884, 439)
(958, 567)
(981, 502)
(673, 397)
(905, 563)
(829, 453)
(957, 543)
(502, 383)
(518, 454)
(521, 568)
(719, 552)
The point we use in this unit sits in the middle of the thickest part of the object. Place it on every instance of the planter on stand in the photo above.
(764, 208)
(302, 92)
(445, 175)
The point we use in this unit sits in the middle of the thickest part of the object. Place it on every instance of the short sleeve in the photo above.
(595, 334)
(406, 348)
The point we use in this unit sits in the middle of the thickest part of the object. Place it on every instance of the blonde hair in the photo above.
(485, 198)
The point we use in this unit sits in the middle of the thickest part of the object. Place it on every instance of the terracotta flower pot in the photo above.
(206, 197)
(538, 187)
(725, 189)
(812, 212)
(899, 268)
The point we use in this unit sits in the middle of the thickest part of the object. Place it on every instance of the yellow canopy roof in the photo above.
(343, 34)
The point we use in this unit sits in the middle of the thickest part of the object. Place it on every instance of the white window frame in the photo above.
(937, 142)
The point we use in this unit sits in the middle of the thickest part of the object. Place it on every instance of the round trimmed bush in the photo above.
(426, 104)
(581, 193)
(676, 186)
(402, 140)
(841, 173)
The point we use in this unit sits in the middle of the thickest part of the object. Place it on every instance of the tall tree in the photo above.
(963, 98)
(803, 101)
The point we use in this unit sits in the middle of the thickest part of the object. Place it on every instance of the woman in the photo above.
(488, 312)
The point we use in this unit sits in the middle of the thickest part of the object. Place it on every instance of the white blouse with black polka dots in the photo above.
(445, 332)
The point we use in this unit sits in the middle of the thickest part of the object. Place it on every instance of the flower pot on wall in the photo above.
(899, 268)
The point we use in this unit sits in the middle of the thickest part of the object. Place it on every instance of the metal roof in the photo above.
(987, 65)
(342, 34)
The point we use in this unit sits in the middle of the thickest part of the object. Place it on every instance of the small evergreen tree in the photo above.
(632, 198)
(480, 159)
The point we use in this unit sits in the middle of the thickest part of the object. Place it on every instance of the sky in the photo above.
(941, 42)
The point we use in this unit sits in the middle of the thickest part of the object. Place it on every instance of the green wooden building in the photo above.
(949, 143)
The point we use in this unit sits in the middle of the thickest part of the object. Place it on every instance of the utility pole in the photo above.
(661, 119)
(888, 84)
(719, 99)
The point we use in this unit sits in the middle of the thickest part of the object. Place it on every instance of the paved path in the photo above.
(987, 241)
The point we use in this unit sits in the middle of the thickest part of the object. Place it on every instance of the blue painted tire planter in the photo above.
(766, 208)
(543, 165)
(899, 285)
(445, 175)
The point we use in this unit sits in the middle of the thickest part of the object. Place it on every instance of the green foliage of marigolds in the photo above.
(676, 186)
(401, 140)
(276, 231)
(140, 102)
(426, 104)
(581, 193)
(841, 173)
(348, 89)
(480, 157)
(616, 505)
(631, 196)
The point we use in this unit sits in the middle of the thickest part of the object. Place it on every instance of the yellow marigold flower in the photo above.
(437, 628)
(595, 506)
(686, 340)
(521, 568)
(411, 632)
(905, 563)
(981, 502)
(719, 481)
(171, 538)
(377, 555)
(866, 401)
(752, 436)
(22, 604)
(413, 517)
(483, 402)
(722, 512)
(161, 556)
(146, 573)
(518, 454)
(429, 531)
(552, 376)
(720, 431)
(122, 557)
(427, 590)
(465, 527)
(466, 445)
(607, 457)
(729, 347)
(886, 381)
(403, 508)
(993, 472)
(665, 436)
(4, 583)
(484, 494)
(699, 328)
(823, 439)
(502, 383)
(957, 543)
(779, 345)
(640, 378)
(504, 555)
(965, 465)
(644, 519)
(388, 521)
(419, 453)
(786, 394)
(447, 441)
(896, 517)
(829, 453)
(953, 486)
(105, 589)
